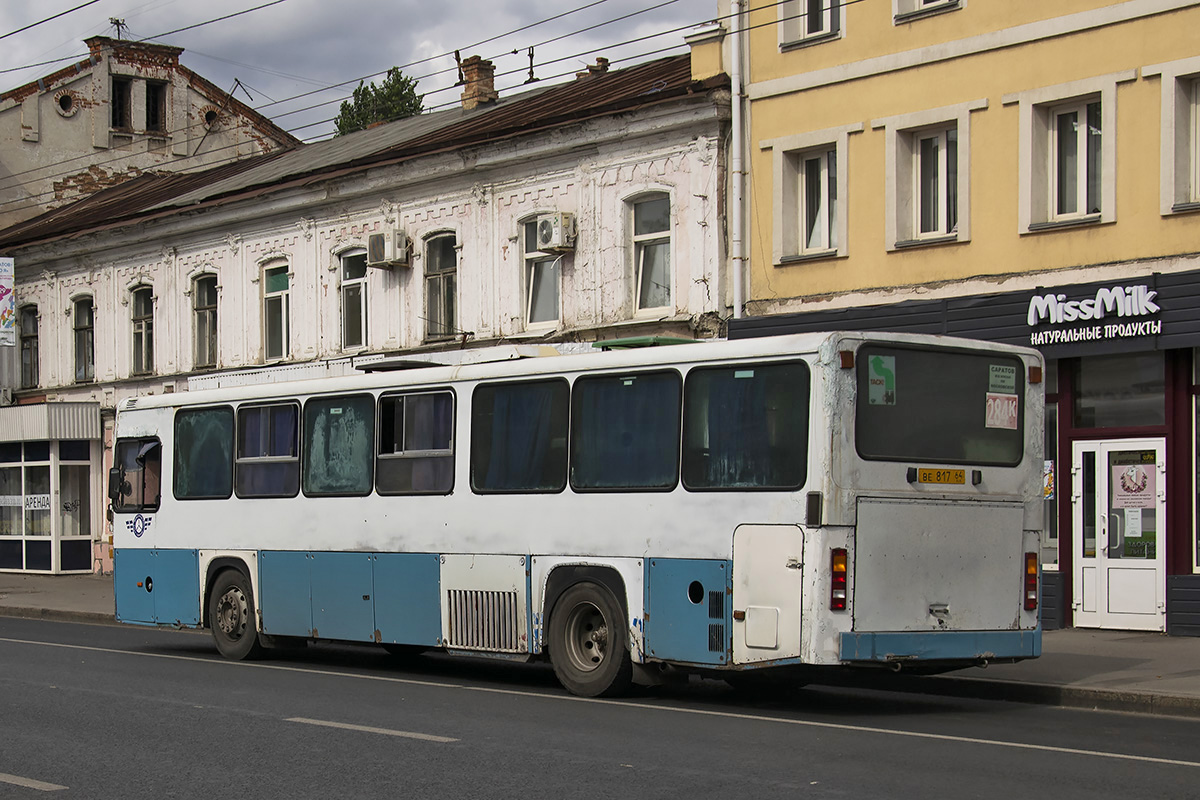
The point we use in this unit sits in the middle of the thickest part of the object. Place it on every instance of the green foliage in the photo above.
(396, 97)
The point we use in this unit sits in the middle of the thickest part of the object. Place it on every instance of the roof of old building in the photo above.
(152, 196)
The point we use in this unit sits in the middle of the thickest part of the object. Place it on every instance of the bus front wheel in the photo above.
(588, 643)
(231, 616)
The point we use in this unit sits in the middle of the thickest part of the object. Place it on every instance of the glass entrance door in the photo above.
(1119, 499)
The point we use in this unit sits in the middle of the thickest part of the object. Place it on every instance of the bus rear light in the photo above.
(1031, 582)
(837, 579)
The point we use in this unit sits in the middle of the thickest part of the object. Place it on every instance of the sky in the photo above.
(282, 59)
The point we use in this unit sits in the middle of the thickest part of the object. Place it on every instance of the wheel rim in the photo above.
(587, 637)
(233, 611)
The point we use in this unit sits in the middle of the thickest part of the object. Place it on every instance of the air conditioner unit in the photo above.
(556, 232)
(389, 249)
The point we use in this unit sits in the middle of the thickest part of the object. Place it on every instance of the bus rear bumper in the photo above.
(916, 647)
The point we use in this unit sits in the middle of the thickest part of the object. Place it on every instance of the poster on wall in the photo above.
(1133, 486)
(8, 303)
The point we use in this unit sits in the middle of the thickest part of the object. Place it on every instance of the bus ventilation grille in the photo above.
(484, 620)
(716, 625)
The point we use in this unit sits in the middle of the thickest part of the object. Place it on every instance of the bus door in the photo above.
(767, 582)
(1119, 498)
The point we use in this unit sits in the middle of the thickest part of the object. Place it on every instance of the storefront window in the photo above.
(1120, 391)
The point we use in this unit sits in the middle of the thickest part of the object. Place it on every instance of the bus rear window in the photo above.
(939, 406)
(746, 427)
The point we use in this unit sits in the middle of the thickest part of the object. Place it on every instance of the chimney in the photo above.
(478, 76)
(599, 68)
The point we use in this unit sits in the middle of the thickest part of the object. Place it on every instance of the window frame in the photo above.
(281, 300)
(348, 286)
(145, 445)
(640, 244)
(202, 310)
(445, 279)
(241, 462)
(904, 11)
(795, 28)
(414, 454)
(157, 104)
(1080, 193)
(532, 263)
(1034, 212)
(1179, 172)
(121, 100)
(178, 452)
(28, 325)
(307, 452)
(478, 430)
(142, 330)
(84, 338)
(787, 208)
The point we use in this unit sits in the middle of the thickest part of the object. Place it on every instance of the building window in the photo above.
(935, 174)
(441, 286)
(1075, 132)
(276, 312)
(928, 184)
(1067, 171)
(1179, 162)
(1194, 138)
(204, 311)
(85, 340)
(29, 347)
(805, 21)
(122, 103)
(809, 193)
(907, 10)
(541, 280)
(354, 300)
(652, 251)
(816, 176)
(156, 107)
(143, 330)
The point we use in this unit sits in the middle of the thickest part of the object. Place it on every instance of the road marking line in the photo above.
(30, 783)
(1045, 748)
(427, 737)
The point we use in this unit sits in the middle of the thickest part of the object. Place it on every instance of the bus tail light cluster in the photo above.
(837, 583)
(1031, 582)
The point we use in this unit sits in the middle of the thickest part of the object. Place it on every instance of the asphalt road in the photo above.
(122, 712)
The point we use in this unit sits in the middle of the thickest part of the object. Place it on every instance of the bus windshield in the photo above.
(949, 407)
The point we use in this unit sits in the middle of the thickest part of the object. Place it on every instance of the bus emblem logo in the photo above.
(138, 525)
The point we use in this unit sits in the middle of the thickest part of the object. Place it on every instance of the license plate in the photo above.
(941, 476)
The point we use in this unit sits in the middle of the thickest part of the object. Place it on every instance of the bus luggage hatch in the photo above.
(767, 581)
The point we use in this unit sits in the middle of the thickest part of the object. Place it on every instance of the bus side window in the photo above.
(135, 480)
(339, 445)
(416, 444)
(746, 427)
(204, 453)
(268, 451)
(519, 437)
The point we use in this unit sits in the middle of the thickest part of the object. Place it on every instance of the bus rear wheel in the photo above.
(231, 616)
(588, 644)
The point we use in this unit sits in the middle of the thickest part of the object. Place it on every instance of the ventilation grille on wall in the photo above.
(482, 620)
(716, 628)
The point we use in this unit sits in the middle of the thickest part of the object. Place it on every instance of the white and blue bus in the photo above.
(722, 507)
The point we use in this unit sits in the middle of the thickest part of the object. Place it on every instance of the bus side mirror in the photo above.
(117, 485)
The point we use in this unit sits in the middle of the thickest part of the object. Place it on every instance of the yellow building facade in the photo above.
(1020, 171)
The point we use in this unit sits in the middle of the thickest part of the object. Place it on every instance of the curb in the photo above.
(30, 612)
(1036, 693)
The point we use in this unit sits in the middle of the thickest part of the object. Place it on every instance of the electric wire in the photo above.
(48, 19)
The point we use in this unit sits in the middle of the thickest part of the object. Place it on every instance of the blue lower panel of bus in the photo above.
(941, 645)
(687, 610)
(351, 596)
(407, 605)
(157, 587)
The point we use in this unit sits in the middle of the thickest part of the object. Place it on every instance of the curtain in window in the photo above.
(521, 436)
(626, 432)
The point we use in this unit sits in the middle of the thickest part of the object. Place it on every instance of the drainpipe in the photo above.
(736, 144)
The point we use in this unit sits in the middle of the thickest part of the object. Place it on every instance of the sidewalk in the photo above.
(1111, 670)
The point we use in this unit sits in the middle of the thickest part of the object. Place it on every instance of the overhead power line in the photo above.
(47, 19)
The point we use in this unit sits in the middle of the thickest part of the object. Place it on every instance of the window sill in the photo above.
(1059, 224)
(922, 13)
(930, 241)
(804, 258)
(1184, 208)
(815, 39)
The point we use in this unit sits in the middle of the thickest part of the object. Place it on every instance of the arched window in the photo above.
(541, 279)
(204, 311)
(143, 330)
(29, 347)
(441, 286)
(84, 323)
(354, 299)
(276, 312)
(652, 251)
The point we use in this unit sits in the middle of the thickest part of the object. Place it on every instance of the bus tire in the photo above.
(231, 616)
(587, 642)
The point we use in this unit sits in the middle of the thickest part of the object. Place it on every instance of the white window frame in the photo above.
(903, 134)
(439, 281)
(944, 212)
(347, 287)
(908, 10)
(797, 27)
(1077, 191)
(1179, 148)
(212, 312)
(85, 356)
(280, 300)
(143, 331)
(1035, 210)
(789, 241)
(533, 263)
(29, 344)
(640, 244)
